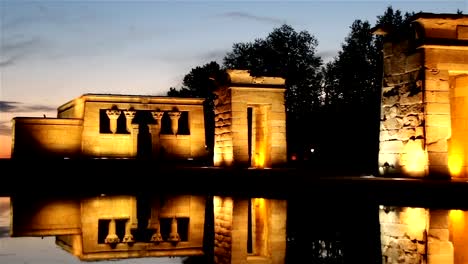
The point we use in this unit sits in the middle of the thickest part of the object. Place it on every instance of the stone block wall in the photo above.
(36, 138)
(424, 95)
(263, 97)
(97, 144)
(77, 131)
(402, 135)
(223, 149)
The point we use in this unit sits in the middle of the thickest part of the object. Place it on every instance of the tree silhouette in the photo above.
(198, 83)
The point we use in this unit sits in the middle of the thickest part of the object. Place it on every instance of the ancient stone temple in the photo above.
(250, 128)
(424, 133)
(115, 126)
(250, 131)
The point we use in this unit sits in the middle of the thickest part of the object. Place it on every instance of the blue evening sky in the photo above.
(54, 51)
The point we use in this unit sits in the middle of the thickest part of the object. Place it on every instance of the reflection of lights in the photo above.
(368, 177)
(416, 219)
(457, 216)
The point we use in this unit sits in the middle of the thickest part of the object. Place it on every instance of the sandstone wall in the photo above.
(36, 138)
(402, 135)
(250, 121)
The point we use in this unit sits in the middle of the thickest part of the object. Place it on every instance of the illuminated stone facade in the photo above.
(115, 126)
(250, 132)
(424, 133)
(425, 100)
(250, 121)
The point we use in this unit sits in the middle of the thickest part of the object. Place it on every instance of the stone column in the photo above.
(155, 130)
(135, 131)
(113, 115)
(175, 115)
(174, 236)
(112, 237)
(129, 115)
(128, 237)
(157, 237)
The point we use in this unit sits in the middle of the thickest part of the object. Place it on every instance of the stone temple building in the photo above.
(115, 126)
(250, 131)
(424, 133)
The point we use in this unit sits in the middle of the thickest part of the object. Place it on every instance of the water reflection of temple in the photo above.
(422, 135)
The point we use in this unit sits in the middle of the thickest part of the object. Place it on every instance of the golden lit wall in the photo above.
(265, 97)
(423, 94)
(458, 142)
(423, 130)
(402, 145)
(78, 130)
(36, 138)
(125, 145)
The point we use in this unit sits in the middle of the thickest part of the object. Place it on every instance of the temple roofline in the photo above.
(122, 98)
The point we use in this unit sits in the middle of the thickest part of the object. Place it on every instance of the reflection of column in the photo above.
(157, 237)
(155, 130)
(174, 121)
(174, 236)
(112, 237)
(128, 237)
(113, 115)
(129, 115)
(135, 131)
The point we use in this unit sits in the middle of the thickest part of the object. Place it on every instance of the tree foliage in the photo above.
(288, 54)
(198, 83)
(351, 101)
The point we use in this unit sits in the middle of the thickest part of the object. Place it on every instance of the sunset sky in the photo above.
(54, 51)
